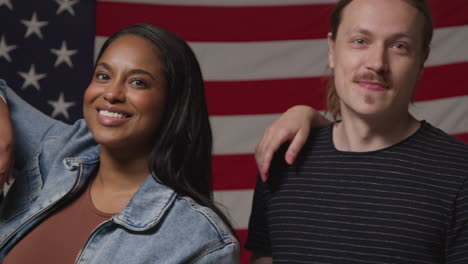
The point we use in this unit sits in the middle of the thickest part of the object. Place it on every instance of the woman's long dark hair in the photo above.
(181, 155)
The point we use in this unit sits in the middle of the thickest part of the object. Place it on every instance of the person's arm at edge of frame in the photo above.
(28, 124)
(456, 247)
(7, 143)
(257, 258)
(294, 125)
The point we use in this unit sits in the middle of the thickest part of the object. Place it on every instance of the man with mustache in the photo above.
(377, 185)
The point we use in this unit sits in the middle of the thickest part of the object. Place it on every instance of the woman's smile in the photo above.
(112, 116)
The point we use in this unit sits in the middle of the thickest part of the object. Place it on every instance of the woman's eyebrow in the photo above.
(140, 71)
(104, 65)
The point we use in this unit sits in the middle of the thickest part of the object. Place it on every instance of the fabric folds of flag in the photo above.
(258, 58)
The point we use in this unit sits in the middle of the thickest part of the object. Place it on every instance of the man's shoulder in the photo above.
(436, 139)
(438, 148)
(318, 142)
(319, 136)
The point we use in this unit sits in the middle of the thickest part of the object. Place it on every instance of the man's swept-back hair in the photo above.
(181, 154)
(333, 101)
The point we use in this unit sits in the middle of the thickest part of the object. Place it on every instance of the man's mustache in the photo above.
(371, 77)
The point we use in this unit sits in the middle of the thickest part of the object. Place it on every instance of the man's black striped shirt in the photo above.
(407, 203)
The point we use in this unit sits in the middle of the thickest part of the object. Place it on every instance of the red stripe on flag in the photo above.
(275, 96)
(462, 137)
(231, 172)
(250, 23)
(266, 96)
(442, 82)
(244, 253)
(449, 13)
(208, 23)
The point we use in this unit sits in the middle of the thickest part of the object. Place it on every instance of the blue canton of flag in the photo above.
(46, 52)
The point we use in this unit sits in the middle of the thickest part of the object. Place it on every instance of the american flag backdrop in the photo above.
(258, 58)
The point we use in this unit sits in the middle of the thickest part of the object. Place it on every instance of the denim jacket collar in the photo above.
(147, 206)
(90, 157)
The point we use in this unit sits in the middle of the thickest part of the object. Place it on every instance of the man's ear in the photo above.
(331, 50)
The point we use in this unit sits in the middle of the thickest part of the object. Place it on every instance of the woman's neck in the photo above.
(122, 169)
(119, 176)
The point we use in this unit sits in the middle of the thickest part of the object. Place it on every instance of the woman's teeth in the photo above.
(111, 114)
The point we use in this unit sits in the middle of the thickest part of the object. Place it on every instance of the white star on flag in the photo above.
(33, 26)
(5, 49)
(61, 106)
(7, 3)
(44, 44)
(66, 5)
(32, 78)
(63, 55)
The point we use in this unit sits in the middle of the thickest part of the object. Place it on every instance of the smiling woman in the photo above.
(132, 182)
(125, 101)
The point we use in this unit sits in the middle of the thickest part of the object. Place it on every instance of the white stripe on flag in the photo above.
(237, 61)
(448, 114)
(448, 46)
(236, 205)
(231, 61)
(240, 134)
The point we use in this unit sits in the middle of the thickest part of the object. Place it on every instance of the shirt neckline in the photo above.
(410, 137)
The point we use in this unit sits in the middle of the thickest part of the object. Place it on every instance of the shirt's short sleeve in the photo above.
(258, 239)
(457, 235)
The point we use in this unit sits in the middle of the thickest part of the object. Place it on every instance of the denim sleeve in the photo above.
(229, 254)
(29, 124)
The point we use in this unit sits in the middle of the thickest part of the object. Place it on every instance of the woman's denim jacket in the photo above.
(157, 226)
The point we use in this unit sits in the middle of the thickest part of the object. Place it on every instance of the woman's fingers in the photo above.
(274, 137)
(6, 145)
(294, 125)
(6, 163)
